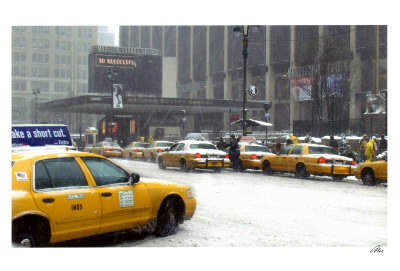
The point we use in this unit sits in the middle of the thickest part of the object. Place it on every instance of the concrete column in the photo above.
(227, 79)
(269, 77)
(294, 111)
(209, 79)
(355, 76)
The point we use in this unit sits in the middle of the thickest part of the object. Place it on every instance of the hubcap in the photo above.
(26, 242)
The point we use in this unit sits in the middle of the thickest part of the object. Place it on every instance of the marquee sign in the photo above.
(115, 61)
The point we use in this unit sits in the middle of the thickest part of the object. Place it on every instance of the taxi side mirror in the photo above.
(134, 178)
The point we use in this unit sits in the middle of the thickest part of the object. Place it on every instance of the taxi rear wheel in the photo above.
(184, 166)
(168, 220)
(266, 167)
(301, 171)
(368, 178)
(161, 164)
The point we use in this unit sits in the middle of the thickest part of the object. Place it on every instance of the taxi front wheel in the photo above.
(301, 171)
(168, 220)
(368, 177)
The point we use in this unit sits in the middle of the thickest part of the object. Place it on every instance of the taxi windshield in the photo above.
(144, 145)
(321, 150)
(203, 146)
(257, 148)
(111, 144)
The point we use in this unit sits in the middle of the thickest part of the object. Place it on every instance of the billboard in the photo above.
(301, 88)
(40, 135)
(139, 74)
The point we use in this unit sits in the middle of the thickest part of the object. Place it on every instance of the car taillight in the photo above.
(197, 155)
(107, 149)
(253, 156)
(159, 150)
(227, 155)
(321, 160)
(353, 163)
(137, 150)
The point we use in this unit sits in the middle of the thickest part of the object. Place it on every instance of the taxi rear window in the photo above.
(203, 146)
(257, 148)
(59, 172)
(321, 150)
(164, 144)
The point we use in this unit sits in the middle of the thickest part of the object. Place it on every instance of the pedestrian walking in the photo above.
(333, 143)
(363, 142)
(234, 152)
(294, 139)
(382, 144)
(370, 149)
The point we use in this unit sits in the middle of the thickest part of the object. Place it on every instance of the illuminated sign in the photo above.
(113, 60)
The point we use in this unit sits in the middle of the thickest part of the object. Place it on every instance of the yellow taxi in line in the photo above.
(190, 154)
(305, 159)
(374, 172)
(134, 150)
(106, 148)
(155, 148)
(60, 195)
(251, 155)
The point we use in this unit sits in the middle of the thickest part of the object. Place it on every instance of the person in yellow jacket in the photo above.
(294, 139)
(369, 149)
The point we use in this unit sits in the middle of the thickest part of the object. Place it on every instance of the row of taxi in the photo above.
(61, 194)
(301, 159)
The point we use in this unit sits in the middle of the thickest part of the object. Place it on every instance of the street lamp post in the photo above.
(112, 74)
(238, 30)
(35, 92)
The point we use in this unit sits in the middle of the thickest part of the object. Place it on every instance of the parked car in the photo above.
(251, 155)
(60, 195)
(373, 173)
(134, 150)
(156, 147)
(305, 159)
(107, 148)
(190, 154)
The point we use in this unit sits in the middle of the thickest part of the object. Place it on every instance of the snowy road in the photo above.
(253, 210)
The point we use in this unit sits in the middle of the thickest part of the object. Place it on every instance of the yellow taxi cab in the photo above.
(155, 148)
(106, 148)
(251, 155)
(305, 159)
(59, 195)
(374, 172)
(190, 154)
(134, 150)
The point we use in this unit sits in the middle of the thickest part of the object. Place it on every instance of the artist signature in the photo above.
(377, 249)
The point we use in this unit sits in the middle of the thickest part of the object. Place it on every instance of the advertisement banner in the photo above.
(335, 83)
(117, 96)
(40, 135)
(301, 88)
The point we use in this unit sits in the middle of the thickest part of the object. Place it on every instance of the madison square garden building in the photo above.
(175, 79)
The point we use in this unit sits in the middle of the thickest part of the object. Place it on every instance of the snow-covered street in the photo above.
(253, 210)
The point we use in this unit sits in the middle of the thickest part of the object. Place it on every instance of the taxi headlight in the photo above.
(189, 193)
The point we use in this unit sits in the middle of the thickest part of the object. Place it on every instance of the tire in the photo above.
(184, 166)
(161, 164)
(266, 168)
(337, 178)
(26, 240)
(168, 219)
(217, 170)
(301, 171)
(368, 177)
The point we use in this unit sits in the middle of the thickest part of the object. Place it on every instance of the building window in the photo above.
(306, 44)
(280, 45)
(216, 49)
(18, 85)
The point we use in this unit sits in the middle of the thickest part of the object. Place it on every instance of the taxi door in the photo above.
(178, 154)
(61, 191)
(380, 170)
(167, 155)
(123, 205)
(280, 161)
(294, 158)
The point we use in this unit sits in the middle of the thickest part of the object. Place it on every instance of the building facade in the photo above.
(207, 62)
(53, 62)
